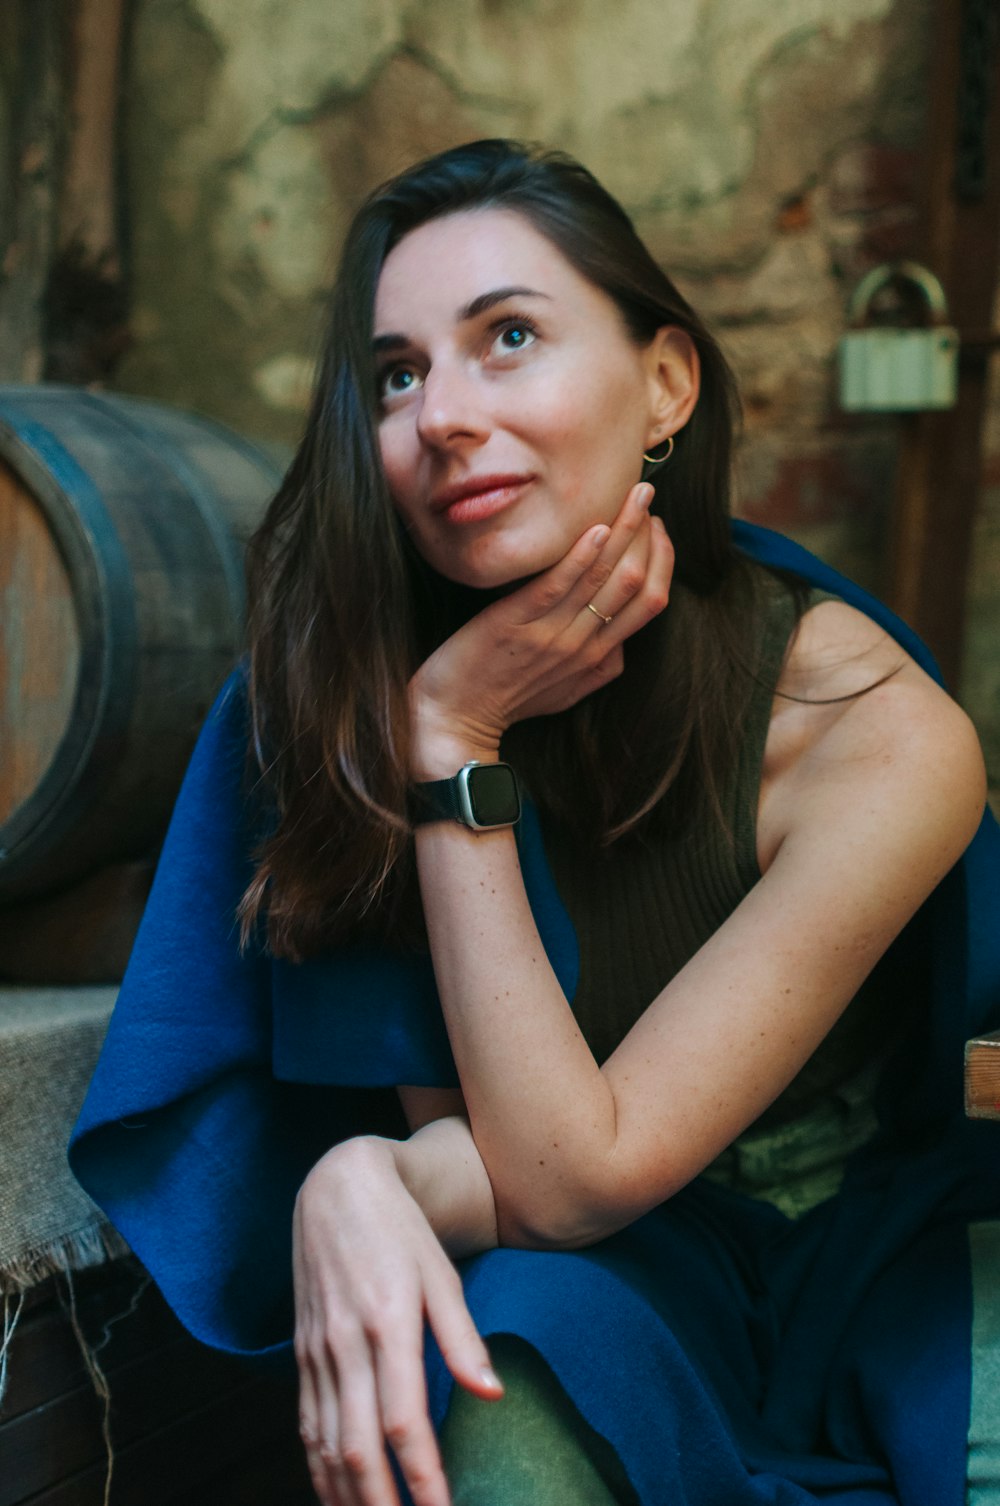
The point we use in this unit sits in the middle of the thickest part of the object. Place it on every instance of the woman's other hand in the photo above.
(368, 1270)
(548, 644)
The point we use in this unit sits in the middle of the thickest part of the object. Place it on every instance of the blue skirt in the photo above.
(671, 1340)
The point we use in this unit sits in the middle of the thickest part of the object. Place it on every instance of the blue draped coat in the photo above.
(729, 1354)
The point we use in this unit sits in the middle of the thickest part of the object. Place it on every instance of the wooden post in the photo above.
(88, 211)
(86, 297)
(940, 455)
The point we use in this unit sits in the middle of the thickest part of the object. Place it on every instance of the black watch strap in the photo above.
(435, 800)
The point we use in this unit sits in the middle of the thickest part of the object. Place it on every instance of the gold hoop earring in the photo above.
(660, 459)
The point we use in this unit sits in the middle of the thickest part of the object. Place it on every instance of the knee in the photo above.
(531, 1446)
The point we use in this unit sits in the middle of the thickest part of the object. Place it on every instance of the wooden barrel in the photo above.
(122, 526)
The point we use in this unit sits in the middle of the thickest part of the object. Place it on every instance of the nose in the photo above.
(451, 409)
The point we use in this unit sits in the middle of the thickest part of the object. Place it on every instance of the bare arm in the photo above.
(442, 1170)
(867, 807)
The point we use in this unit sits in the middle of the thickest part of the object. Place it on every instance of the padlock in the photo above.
(889, 369)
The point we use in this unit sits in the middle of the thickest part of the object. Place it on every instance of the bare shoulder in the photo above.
(856, 720)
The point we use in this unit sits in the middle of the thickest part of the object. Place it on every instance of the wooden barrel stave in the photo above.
(46, 681)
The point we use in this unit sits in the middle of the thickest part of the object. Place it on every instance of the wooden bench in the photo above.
(982, 1076)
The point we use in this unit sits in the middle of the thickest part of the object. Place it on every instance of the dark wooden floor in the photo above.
(189, 1427)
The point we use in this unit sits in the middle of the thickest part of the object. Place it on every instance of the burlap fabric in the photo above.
(49, 1042)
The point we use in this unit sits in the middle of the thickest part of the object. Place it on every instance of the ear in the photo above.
(674, 373)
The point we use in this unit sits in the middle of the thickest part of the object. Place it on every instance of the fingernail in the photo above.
(646, 495)
(491, 1378)
(599, 536)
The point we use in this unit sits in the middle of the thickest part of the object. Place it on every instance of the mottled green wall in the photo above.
(767, 149)
(255, 127)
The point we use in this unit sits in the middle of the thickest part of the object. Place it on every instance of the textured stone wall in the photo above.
(32, 110)
(767, 150)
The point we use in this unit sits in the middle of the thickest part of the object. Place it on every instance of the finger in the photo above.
(458, 1338)
(317, 1427)
(572, 581)
(339, 1360)
(360, 1468)
(641, 564)
(594, 643)
(308, 1421)
(627, 542)
(548, 590)
(332, 1488)
(626, 579)
(406, 1424)
(634, 608)
(588, 564)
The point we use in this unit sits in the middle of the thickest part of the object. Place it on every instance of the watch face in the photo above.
(493, 794)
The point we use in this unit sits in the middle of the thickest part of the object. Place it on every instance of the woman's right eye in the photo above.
(397, 381)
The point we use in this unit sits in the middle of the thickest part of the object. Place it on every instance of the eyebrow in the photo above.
(480, 305)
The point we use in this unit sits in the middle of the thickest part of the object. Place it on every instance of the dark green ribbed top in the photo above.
(644, 906)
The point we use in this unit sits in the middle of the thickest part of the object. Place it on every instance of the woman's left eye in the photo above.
(514, 335)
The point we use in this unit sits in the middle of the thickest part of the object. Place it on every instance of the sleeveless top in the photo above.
(644, 906)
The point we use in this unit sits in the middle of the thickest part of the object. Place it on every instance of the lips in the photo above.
(478, 496)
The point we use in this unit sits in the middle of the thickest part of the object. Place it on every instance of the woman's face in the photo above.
(514, 405)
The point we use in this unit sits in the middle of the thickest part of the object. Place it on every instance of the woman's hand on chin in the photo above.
(545, 646)
(368, 1269)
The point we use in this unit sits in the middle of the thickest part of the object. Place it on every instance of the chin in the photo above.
(493, 569)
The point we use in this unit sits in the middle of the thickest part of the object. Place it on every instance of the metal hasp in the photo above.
(895, 369)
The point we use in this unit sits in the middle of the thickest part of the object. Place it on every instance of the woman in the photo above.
(518, 454)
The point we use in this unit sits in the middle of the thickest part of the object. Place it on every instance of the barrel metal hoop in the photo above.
(124, 414)
(98, 569)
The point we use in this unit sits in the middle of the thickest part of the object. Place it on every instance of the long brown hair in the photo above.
(342, 611)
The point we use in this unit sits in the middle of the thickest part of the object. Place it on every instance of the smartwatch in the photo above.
(482, 796)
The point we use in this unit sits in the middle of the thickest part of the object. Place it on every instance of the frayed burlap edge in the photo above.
(91, 1245)
(82, 1248)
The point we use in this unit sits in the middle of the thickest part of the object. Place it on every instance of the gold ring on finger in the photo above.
(604, 619)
